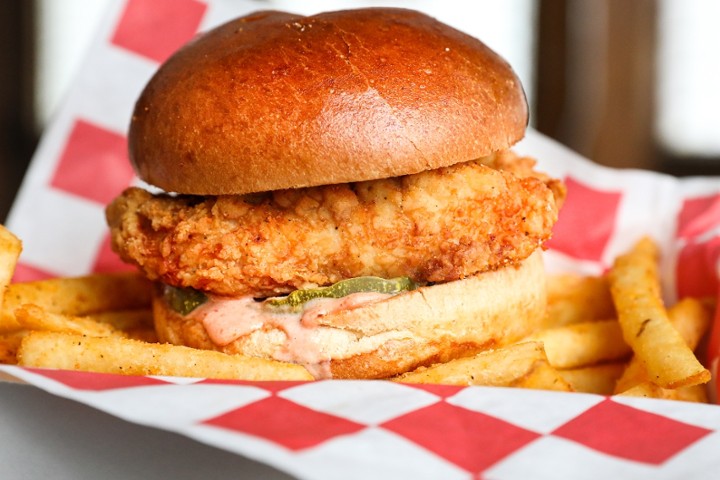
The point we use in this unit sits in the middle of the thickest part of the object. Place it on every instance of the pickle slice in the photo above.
(183, 300)
(294, 301)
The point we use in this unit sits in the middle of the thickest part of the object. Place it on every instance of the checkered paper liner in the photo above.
(377, 429)
(362, 429)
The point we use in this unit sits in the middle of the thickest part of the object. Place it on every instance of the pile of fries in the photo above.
(608, 334)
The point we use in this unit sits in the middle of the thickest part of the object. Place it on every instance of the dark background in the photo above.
(17, 135)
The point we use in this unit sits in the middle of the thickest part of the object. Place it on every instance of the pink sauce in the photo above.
(320, 307)
(226, 320)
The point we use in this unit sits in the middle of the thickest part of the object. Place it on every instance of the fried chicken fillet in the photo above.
(436, 226)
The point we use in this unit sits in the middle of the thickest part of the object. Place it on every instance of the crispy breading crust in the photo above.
(435, 226)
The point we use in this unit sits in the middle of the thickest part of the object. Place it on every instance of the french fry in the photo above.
(103, 323)
(132, 357)
(691, 318)
(518, 365)
(691, 393)
(576, 298)
(136, 323)
(598, 379)
(10, 248)
(634, 374)
(583, 344)
(147, 335)
(635, 287)
(543, 376)
(32, 317)
(77, 296)
(9, 345)
(124, 320)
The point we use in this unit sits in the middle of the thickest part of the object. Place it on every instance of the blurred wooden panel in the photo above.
(17, 139)
(596, 79)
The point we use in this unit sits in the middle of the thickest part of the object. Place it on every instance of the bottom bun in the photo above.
(391, 336)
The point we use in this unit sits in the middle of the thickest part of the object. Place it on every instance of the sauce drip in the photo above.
(227, 319)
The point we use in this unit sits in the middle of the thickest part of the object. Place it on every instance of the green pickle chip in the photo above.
(183, 300)
(294, 301)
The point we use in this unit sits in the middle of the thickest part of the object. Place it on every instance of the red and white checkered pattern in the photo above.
(369, 429)
(374, 429)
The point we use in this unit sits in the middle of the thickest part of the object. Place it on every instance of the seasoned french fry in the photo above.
(691, 393)
(132, 357)
(10, 248)
(32, 317)
(691, 318)
(575, 298)
(77, 296)
(144, 334)
(582, 344)
(103, 323)
(136, 323)
(9, 345)
(598, 379)
(543, 376)
(635, 287)
(124, 319)
(522, 364)
(634, 374)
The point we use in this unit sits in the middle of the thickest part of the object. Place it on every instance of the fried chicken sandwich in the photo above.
(337, 191)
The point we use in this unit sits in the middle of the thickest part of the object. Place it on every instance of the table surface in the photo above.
(43, 436)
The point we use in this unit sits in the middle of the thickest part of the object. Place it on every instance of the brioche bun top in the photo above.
(275, 100)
